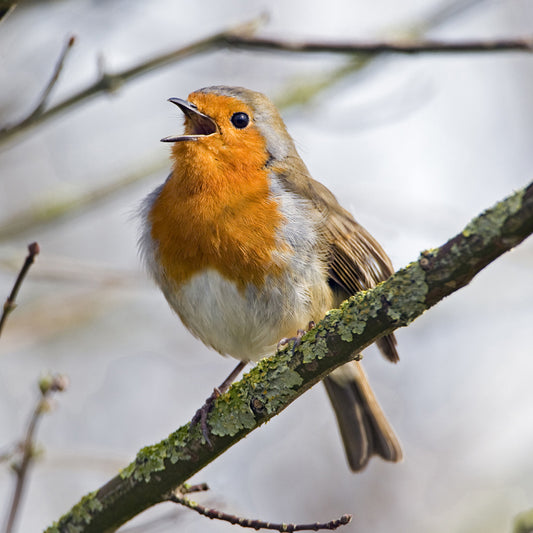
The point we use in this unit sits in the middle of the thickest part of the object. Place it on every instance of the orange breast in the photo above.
(215, 211)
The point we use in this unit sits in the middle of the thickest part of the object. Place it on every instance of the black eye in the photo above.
(240, 120)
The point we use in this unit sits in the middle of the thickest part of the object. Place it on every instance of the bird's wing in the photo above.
(356, 260)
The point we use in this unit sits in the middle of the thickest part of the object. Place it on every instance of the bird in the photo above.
(248, 248)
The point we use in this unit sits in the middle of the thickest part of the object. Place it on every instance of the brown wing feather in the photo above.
(356, 260)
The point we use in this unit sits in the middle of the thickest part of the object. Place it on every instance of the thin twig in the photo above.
(371, 47)
(9, 305)
(34, 116)
(58, 207)
(47, 385)
(303, 90)
(55, 76)
(253, 523)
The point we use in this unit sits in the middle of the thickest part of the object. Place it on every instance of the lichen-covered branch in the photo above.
(277, 381)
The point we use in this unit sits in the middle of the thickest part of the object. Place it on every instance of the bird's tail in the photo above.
(364, 428)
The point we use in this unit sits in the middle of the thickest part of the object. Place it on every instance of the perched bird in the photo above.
(248, 248)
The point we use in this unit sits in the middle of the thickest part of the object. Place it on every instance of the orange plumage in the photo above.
(247, 248)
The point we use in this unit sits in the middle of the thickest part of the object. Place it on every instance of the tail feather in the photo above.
(364, 428)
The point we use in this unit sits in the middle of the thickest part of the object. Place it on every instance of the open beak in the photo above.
(202, 125)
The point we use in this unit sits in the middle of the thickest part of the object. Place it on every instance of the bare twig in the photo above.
(57, 207)
(47, 385)
(9, 305)
(55, 76)
(371, 47)
(35, 116)
(253, 523)
(304, 90)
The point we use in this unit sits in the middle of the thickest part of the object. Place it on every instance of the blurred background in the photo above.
(414, 146)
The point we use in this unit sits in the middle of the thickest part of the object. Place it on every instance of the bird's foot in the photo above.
(201, 415)
(297, 339)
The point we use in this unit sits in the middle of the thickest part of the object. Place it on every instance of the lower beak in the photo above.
(202, 125)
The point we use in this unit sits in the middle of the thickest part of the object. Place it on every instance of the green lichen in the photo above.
(79, 516)
(314, 345)
(149, 460)
(281, 382)
(125, 473)
(177, 444)
(355, 314)
(270, 384)
(232, 412)
(405, 295)
(152, 459)
(488, 224)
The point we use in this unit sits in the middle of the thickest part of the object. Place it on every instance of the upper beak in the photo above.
(202, 125)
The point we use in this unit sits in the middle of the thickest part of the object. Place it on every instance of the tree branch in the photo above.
(252, 523)
(372, 47)
(47, 385)
(278, 380)
(239, 37)
(9, 304)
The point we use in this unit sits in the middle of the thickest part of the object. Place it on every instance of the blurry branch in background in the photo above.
(372, 47)
(57, 207)
(9, 304)
(303, 91)
(277, 381)
(23, 453)
(53, 80)
(27, 449)
(298, 92)
(109, 82)
(36, 115)
(178, 497)
(241, 37)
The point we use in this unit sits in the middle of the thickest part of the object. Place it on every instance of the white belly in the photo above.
(248, 324)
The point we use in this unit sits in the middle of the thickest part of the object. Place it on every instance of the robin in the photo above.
(248, 249)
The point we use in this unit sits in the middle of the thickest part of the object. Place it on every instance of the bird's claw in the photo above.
(297, 339)
(201, 416)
